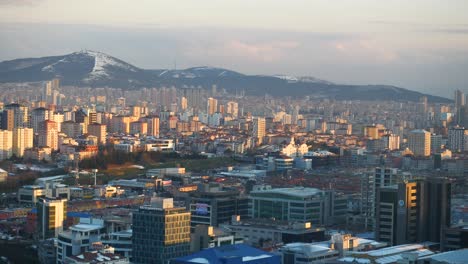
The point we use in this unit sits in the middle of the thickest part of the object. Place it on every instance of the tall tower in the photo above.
(183, 103)
(419, 142)
(161, 232)
(20, 115)
(413, 211)
(456, 139)
(233, 109)
(50, 216)
(22, 139)
(259, 129)
(212, 106)
(48, 135)
(153, 126)
(6, 144)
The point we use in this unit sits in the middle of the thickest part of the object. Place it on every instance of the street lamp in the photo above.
(95, 171)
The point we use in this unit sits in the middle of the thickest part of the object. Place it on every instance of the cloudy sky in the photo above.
(417, 44)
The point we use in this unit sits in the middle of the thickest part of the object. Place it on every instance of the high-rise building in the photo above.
(233, 109)
(422, 104)
(413, 211)
(194, 97)
(48, 135)
(139, 127)
(419, 142)
(436, 143)
(372, 132)
(161, 232)
(183, 103)
(135, 111)
(456, 138)
(259, 129)
(391, 141)
(370, 182)
(212, 106)
(22, 139)
(153, 126)
(20, 115)
(39, 115)
(8, 119)
(51, 213)
(6, 144)
(99, 131)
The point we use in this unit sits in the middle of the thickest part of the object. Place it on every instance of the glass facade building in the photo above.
(160, 233)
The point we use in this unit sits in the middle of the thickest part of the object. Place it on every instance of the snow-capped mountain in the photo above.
(97, 69)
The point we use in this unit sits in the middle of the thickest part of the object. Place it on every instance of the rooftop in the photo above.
(218, 254)
(301, 192)
(86, 227)
(452, 257)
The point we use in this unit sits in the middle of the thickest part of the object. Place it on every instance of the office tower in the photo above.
(6, 144)
(287, 204)
(39, 115)
(22, 139)
(437, 197)
(212, 206)
(259, 129)
(419, 142)
(161, 232)
(212, 106)
(456, 138)
(8, 120)
(153, 126)
(20, 115)
(183, 103)
(370, 182)
(99, 131)
(48, 135)
(233, 109)
(413, 211)
(51, 213)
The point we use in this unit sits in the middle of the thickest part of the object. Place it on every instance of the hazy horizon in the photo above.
(418, 45)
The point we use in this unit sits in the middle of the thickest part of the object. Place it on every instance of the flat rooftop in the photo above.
(302, 192)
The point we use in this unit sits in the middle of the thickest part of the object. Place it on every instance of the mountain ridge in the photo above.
(96, 69)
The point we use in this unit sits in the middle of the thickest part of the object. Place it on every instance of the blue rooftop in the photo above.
(78, 214)
(231, 254)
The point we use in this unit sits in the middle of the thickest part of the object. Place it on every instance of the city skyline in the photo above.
(419, 45)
